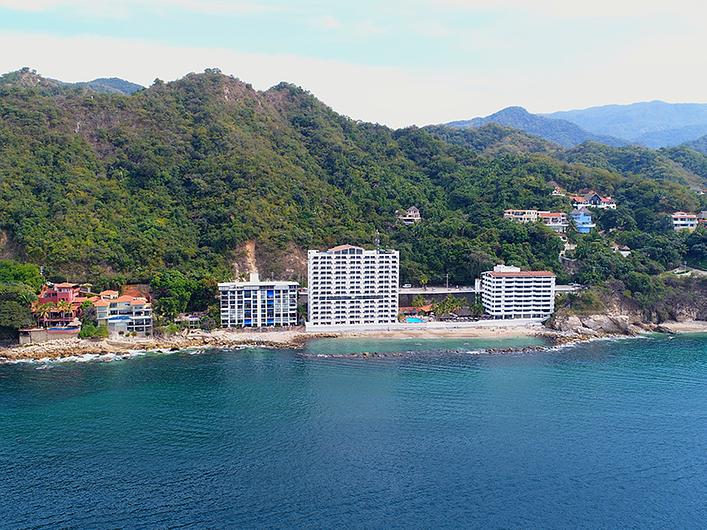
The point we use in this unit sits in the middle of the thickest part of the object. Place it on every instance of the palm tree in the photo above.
(42, 311)
(65, 307)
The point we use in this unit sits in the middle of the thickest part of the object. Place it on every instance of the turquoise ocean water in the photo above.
(434, 434)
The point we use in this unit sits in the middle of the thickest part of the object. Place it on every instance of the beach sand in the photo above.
(503, 332)
(690, 326)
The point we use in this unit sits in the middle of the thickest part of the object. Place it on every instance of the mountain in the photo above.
(561, 132)
(671, 137)
(653, 123)
(110, 85)
(493, 139)
(668, 165)
(29, 78)
(698, 145)
(185, 178)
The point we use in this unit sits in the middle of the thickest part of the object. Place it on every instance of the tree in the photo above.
(88, 313)
(449, 305)
(43, 311)
(424, 280)
(173, 290)
(25, 273)
(418, 301)
(65, 308)
(14, 315)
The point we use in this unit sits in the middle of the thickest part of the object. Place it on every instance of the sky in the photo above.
(394, 62)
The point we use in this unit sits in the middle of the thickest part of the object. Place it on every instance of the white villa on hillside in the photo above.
(684, 221)
(124, 315)
(258, 304)
(409, 216)
(349, 287)
(509, 293)
(555, 220)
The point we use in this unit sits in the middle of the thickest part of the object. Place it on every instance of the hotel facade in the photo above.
(258, 304)
(509, 293)
(352, 287)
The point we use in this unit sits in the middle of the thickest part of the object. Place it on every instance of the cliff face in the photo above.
(616, 313)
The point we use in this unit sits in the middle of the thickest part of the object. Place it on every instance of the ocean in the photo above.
(425, 434)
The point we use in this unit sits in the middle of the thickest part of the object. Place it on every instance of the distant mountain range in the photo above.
(651, 124)
(562, 132)
(108, 85)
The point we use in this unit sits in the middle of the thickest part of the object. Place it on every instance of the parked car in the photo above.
(406, 286)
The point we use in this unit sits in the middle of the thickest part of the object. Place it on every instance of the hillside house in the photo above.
(684, 221)
(582, 220)
(124, 315)
(593, 200)
(409, 216)
(557, 221)
(59, 304)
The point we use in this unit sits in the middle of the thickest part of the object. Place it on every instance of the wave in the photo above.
(45, 362)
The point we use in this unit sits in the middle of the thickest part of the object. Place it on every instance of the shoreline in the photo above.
(298, 338)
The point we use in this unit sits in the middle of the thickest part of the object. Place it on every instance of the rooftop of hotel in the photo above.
(522, 274)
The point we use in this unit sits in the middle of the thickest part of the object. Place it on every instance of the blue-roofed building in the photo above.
(256, 304)
(582, 220)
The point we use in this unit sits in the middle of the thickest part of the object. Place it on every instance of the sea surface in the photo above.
(430, 434)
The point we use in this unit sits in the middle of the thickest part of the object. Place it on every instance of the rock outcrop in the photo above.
(596, 325)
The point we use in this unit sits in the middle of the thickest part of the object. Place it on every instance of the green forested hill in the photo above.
(181, 175)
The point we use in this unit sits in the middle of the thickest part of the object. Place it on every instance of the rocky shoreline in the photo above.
(563, 331)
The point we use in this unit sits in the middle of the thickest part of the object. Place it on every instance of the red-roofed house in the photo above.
(124, 315)
(593, 200)
(58, 304)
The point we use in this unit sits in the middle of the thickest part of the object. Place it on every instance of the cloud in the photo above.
(327, 22)
(648, 69)
(122, 8)
(580, 8)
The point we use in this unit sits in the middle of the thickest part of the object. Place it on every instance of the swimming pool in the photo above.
(413, 320)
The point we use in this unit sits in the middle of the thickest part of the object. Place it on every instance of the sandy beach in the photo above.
(690, 326)
(500, 332)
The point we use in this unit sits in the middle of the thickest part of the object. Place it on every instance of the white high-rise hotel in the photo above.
(508, 292)
(256, 304)
(350, 286)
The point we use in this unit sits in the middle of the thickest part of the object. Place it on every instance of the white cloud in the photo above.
(650, 69)
(583, 8)
(122, 8)
(327, 22)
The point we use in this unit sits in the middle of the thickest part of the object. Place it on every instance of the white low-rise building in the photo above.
(557, 221)
(349, 287)
(258, 304)
(124, 315)
(509, 293)
(684, 221)
(409, 216)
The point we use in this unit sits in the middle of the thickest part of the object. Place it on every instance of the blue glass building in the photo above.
(582, 220)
